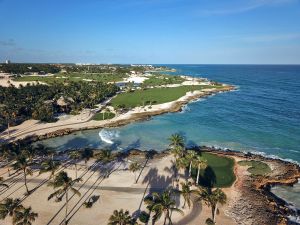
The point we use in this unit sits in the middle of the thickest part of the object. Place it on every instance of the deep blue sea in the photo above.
(262, 116)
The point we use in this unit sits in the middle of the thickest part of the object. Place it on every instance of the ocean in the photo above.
(262, 116)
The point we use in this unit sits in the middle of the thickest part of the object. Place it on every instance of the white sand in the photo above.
(136, 79)
(6, 81)
(118, 191)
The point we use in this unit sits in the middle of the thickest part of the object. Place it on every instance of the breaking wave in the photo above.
(108, 136)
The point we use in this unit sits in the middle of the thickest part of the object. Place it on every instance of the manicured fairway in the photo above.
(219, 173)
(153, 96)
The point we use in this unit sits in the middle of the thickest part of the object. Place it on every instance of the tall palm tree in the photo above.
(121, 218)
(24, 216)
(181, 163)
(7, 208)
(212, 199)
(64, 183)
(51, 166)
(87, 154)
(134, 167)
(186, 193)
(191, 158)
(218, 196)
(75, 155)
(201, 164)
(23, 164)
(150, 202)
(105, 156)
(30, 153)
(164, 204)
(176, 140)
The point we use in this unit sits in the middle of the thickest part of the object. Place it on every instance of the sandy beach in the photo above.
(116, 191)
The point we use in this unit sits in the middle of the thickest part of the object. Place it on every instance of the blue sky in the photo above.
(151, 31)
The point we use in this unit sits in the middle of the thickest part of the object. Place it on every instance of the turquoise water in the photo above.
(263, 115)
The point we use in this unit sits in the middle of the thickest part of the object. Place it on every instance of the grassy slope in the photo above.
(153, 95)
(219, 173)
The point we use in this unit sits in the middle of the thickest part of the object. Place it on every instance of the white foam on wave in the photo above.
(185, 109)
(108, 136)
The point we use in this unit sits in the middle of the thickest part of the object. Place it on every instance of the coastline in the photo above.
(254, 203)
(34, 130)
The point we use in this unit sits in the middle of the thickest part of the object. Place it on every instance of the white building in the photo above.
(7, 61)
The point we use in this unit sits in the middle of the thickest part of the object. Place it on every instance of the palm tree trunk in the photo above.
(135, 178)
(66, 210)
(166, 216)
(198, 175)
(215, 213)
(76, 170)
(190, 169)
(170, 221)
(25, 181)
(8, 129)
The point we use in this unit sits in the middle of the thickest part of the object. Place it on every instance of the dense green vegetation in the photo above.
(157, 80)
(104, 116)
(152, 96)
(256, 167)
(21, 68)
(218, 173)
(41, 101)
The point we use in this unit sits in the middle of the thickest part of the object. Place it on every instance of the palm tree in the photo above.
(64, 183)
(23, 164)
(7, 208)
(164, 204)
(134, 167)
(24, 216)
(176, 140)
(218, 196)
(51, 166)
(150, 202)
(75, 155)
(211, 199)
(30, 153)
(105, 156)
(201, 164)
(186, 193)
(121, 218)
(86, 154)
(191, 158)
(181, 163)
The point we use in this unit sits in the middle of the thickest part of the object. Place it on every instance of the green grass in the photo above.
(256, 167)
(99, 116)
(218, 173)
(153, 96)
(157, 80)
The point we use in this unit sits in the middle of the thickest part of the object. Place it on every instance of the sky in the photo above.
(151, 31)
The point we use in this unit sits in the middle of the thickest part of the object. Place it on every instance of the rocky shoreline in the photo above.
(257, 204)
(176, 106)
